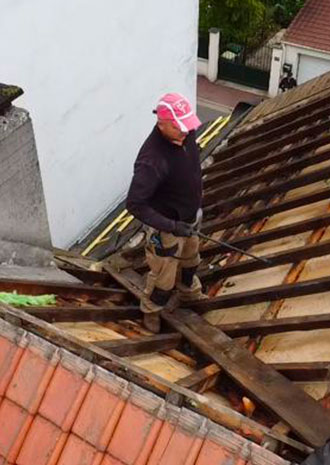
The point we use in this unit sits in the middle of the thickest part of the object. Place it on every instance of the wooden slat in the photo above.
(305, 416)
(65, 290)
(281, 258)
(74, 314)
(283, 291)
(230, 188)
(278, 325)
(269, 235)
(264, 212)
(279, 130)
(201, 380)
(222, 175)
(229, 159)
(130, 347)
(269, 191)
(284, 118)
(313, 371)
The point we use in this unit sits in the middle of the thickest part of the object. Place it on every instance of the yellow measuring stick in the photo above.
(209, 129)
(121, 218)
(207, 139)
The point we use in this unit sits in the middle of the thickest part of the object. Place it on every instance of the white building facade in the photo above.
(92, 71)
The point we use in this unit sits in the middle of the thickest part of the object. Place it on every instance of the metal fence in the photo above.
(246, 66)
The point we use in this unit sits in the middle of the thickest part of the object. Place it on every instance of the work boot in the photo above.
(152, 322)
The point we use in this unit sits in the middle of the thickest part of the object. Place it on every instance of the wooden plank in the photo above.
(278, 325)
(279, 130)
(305, 416)
(74, 314)
(130, 347)
(264, 212)
(89, 277)
(131, 280)
(284, 118)
(270, 235)
(283, 291)
(65, 290)
(230, 159)
(201, 380)
(281, 258)
(283, 169)
(268, 191)
(222, 175)
(127, 370)
(311, 371)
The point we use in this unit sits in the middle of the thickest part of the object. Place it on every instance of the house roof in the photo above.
(310, 28)
(265, 190)
(57, 408)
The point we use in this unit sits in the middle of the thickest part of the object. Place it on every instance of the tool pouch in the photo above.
(156, 244)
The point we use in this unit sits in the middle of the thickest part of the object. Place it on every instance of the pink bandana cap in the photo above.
(177, 108)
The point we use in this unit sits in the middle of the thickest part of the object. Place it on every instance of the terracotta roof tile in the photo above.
(310, 28)
(43, 444)
(32, 375)
(79, 452)
(63, 409)
(14, 425)
(58, 409)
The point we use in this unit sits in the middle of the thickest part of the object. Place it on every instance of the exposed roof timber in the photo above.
(220, 414)
(282, 291)
(293, 405)
(266, 192)
(280, 258)
(290, 167)
(264, 212)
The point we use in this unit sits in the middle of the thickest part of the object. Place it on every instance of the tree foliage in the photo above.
(247, 20)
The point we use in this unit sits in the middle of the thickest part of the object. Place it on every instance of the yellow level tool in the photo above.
(123, 220)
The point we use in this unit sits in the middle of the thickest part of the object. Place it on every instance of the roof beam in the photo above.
(296, 164)
(305, 416)
(268, 191)
(283, 291)
(281, 258)
(283, 118)
(225, 158)
(278, 325)
(148, 344)
(270, 235)
(65, 290)
(264, 212)
(73, 314)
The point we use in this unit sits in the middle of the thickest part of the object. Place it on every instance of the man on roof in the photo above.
(166, 195)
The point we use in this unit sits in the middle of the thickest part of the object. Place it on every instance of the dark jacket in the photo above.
(167, 182)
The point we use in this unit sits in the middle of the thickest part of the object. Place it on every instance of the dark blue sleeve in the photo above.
(144, 184)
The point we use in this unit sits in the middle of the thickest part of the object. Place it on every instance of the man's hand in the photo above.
(183, 229)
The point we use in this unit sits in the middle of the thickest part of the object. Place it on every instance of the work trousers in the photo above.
(173, 262)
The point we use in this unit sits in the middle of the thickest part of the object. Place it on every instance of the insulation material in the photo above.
(89, 331)
(307, 346)
(163, 366)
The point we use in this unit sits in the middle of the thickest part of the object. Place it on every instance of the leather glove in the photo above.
(183, 229)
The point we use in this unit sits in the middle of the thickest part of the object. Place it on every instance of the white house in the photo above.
(305, 48)
(92, 71)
